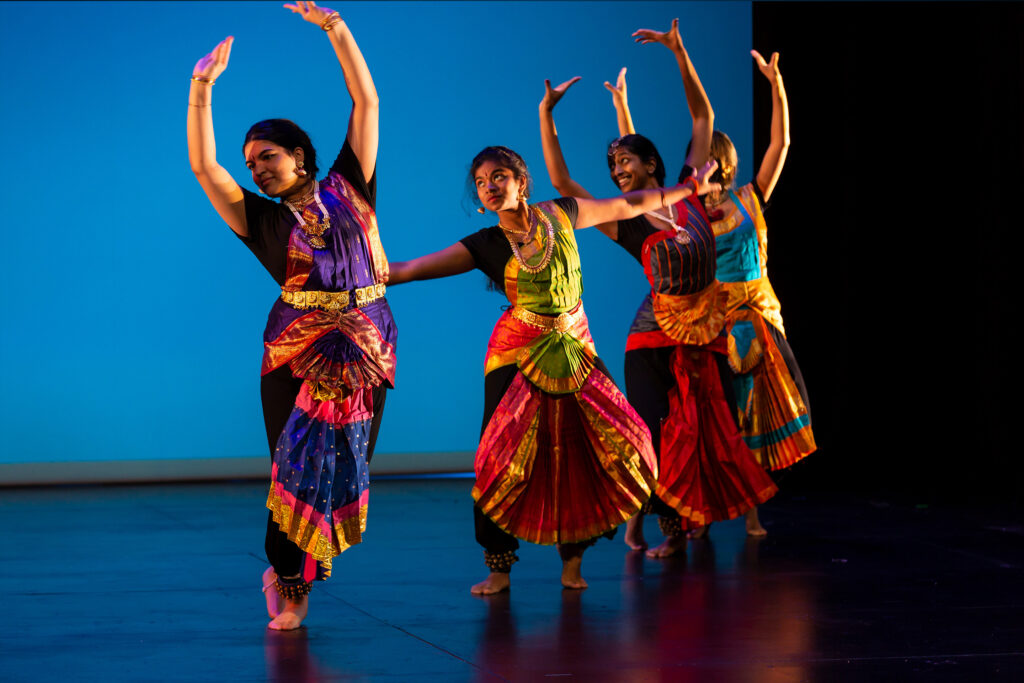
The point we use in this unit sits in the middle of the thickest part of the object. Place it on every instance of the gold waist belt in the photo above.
(333, 301)
(563, 322)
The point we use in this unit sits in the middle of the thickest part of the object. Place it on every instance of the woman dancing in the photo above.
(563, 458)
(774, 412)
(330, 338)
(676, 369)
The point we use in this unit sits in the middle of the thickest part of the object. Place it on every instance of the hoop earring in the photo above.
(299, 170)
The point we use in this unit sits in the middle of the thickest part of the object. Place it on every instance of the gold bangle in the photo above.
(206, 81)
(327, 24)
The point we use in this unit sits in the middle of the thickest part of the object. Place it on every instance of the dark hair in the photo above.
(286, 134)
(502, 156)
(721, 147)
(643, 148)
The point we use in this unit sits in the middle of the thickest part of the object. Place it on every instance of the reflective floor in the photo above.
(162, 583)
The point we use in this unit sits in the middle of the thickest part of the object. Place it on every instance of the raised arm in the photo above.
(775, 157)
(221, 189)
(558, 170)
(454, 260)
(630, 204)
(701, 114)
(363, 124)
(621, 103)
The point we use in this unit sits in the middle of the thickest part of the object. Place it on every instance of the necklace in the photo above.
(681, 236)
(670, 219)
(714, 199)
(316, 229)
(548, 248)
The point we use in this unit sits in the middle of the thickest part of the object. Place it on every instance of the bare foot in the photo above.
(635, 532)
(699, 533)
(754, 527)
(669, 547)
(571, 577)
(495, 582)
(275, 603)
(291, 616)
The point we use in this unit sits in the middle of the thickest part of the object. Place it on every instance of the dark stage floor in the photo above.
(162, 583)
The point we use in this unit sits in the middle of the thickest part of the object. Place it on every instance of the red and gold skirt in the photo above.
(563, 468)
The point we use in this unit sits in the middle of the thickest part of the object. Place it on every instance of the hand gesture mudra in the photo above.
(213, 65)
(311, 12)
(770, 69)
(669, 38)
(618, 90)
(552, 95)
(703, 177)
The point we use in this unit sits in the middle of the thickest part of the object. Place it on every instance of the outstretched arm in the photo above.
(221, 189)
(363, 125)
(630, 204)
(701, 114)
(621, 103)
(454, 260)
(558, 170)
(775, 157)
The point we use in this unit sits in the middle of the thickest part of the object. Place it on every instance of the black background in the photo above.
(893, 241)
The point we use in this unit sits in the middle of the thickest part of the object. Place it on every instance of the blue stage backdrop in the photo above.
(132, 316)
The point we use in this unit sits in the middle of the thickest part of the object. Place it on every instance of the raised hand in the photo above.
(618, 90)
(770, 69)
(702, 177)
(310, 12)
(552, 95)
(669, 38)
(213, 65)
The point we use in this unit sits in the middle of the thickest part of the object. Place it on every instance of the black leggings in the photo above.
(278, 390)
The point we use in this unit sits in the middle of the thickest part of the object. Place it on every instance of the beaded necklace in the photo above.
(548, 248)
(318, 228)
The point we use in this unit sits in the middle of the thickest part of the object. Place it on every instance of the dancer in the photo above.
(675, 353)
(774, 411)
(330, 338)
(563, 458)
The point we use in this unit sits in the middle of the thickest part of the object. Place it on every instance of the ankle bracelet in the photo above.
(293, 591)
(670, 526)
(500, 563)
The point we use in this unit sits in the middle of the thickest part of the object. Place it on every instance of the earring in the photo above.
(299, 170)
(481, 210)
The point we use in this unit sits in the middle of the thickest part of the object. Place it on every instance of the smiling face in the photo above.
(630, 172)
(272, 166)
(498, 187)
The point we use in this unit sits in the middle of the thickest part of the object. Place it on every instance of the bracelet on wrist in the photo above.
(204, 81)
(330, 21)
(694, 181)
(193, 104)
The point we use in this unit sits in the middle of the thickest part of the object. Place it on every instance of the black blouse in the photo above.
(270, 223)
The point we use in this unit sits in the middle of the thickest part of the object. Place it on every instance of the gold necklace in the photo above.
(316, 229)
(548, 248)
